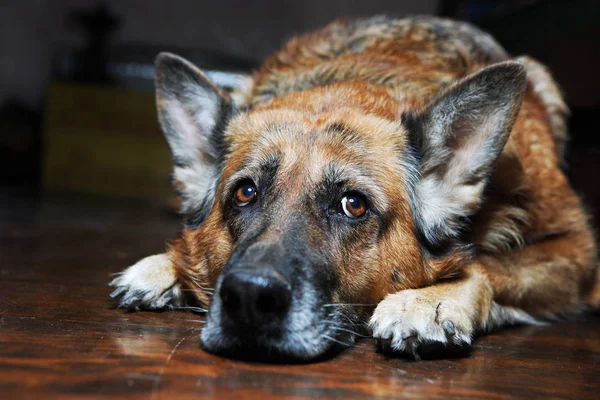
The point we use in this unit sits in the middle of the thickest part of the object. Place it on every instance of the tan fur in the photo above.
(405, 82)
(412, 68)
(535, 255)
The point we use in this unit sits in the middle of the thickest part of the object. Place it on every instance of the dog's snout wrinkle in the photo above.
(255, 297)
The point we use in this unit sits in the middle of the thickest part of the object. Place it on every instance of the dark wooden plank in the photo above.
(60, 336)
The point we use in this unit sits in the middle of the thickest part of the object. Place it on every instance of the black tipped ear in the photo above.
(191, 109)
(193, 114)
(458, 138)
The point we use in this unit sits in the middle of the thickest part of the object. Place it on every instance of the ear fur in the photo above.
(193, 114)
(457, 138)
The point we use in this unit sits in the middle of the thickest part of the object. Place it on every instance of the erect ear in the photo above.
(458, 138)
(193, 114)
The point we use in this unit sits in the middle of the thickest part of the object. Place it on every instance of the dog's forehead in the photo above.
(345, 139)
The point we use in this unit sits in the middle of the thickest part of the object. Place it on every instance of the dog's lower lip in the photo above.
(274, 354)
(271, 354)
(253, 336)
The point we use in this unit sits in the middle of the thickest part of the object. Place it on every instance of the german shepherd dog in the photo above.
(399, 178)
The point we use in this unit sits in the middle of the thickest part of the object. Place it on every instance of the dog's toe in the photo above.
(149, 284)
(412, 322)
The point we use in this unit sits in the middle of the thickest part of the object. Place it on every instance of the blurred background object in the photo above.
(76, 103)
(100, 129)
(564, 35)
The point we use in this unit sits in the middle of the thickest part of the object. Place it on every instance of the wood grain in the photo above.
(60, 336)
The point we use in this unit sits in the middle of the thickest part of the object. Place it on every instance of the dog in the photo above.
(399, 178)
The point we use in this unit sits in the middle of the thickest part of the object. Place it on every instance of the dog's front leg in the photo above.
(448, 313)
(149, 284)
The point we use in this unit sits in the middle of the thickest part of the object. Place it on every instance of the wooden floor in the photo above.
(60, 336)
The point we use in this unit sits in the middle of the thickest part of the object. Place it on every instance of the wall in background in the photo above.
(30, 30)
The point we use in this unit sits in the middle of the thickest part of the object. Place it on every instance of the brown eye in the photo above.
(244, 194)
(354, 205)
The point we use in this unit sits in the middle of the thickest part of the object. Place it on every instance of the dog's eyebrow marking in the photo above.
(337, 126)
(347, 133)
(351, 178)
(262, 170)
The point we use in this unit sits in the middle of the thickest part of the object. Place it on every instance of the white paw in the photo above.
(416, 320)
(148, 284)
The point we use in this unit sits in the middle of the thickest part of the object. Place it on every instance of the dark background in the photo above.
(113, 43)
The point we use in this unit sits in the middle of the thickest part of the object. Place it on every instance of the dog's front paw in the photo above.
(415, 321)
(148, 284)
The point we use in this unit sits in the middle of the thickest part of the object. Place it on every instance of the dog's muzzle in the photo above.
(269, 301)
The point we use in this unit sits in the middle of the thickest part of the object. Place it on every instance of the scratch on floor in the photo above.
(164, 368)
(4, 299)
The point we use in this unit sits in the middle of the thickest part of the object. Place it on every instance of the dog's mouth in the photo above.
(261, 317)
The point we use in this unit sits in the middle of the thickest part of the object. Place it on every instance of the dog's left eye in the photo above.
(244, 194)
(354, 205)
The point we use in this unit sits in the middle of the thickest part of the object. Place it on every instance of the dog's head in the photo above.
(303, 213)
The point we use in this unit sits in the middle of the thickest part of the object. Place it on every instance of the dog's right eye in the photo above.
(354, 205)
(244, 194)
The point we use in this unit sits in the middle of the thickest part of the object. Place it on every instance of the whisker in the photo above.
(196, 290)
(336, 341)
(349, 304)
(200, 286)
(341, 314)
(196, 309)
(337, 328)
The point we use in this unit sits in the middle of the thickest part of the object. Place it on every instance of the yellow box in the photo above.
(104, 140)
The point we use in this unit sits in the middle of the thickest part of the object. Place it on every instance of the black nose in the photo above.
(255, 299)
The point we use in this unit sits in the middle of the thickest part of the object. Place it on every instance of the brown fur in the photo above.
(343, 73)
(534, 254)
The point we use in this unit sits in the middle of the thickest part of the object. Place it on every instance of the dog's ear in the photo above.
(458, 138)
(193, 114)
